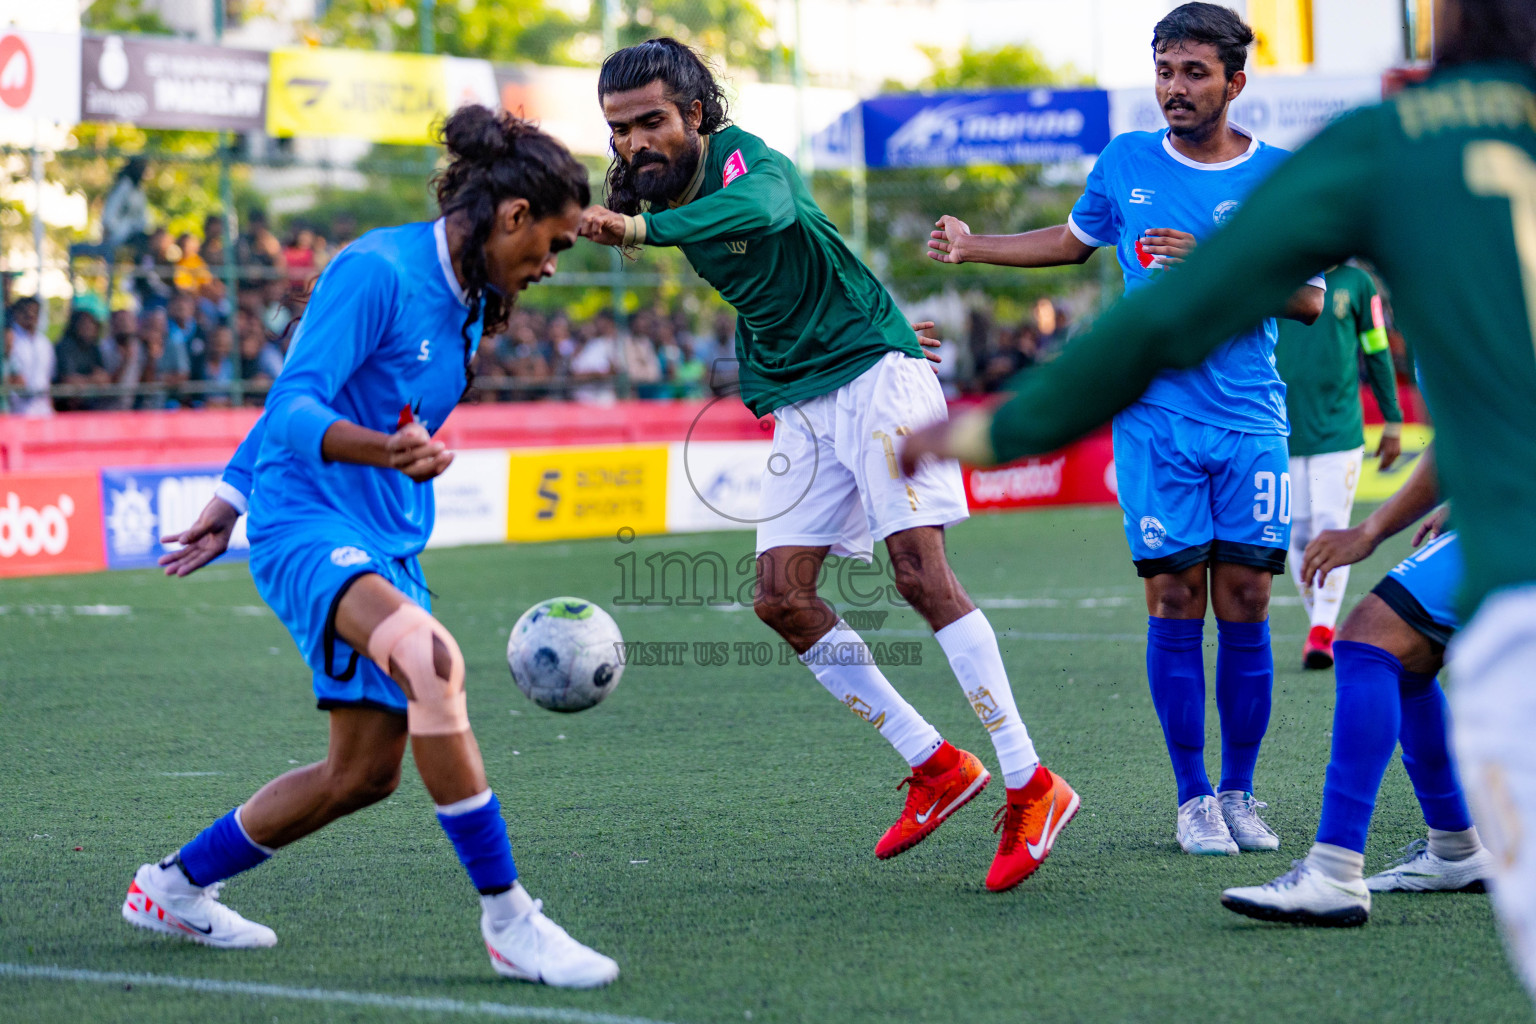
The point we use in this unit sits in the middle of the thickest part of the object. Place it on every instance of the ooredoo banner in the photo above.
(1080, 474)
(50, 523)
(143, 504)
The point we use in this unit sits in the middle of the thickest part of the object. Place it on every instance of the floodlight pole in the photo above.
(231, 243)
(615, 257)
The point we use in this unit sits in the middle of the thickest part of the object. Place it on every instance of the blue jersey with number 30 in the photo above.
(1141, 182)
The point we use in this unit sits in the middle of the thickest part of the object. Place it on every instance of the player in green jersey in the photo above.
(1327, 443)
(822, 346)
(1436, 187)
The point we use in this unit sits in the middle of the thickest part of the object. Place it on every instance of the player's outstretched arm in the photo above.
(952, 242)
(1334, 548)
(202, 542)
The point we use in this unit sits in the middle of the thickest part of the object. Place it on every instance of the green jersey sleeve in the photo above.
(1371, 328)
(1309, 215)
(756, 200)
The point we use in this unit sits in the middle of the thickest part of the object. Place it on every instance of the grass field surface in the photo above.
(710, 827)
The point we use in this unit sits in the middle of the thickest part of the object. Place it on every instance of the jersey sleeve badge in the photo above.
(735, 167)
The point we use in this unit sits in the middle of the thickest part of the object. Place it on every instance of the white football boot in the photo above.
(1303, 895)
(1203, 830)
(531, 947)
(1418, 870)
(1249, 831)
(162, 900)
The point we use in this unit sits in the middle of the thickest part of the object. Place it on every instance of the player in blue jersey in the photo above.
(1201, 459)
(337, 475)
(1386, 658)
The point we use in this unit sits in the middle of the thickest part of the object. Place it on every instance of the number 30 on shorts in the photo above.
(1271, 498)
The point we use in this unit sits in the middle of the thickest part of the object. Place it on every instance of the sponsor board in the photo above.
(167, 83)
(715, 485)
(566, 493)
(142, 504)
(1282, 110)
(40, 76)
(471, 498)
(1080, 474)
(50, 523)
(1378, 486)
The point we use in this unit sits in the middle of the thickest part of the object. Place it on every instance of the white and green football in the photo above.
(565, 654)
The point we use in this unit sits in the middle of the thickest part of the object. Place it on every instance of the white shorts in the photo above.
(1493, 705)
(1323, 489)
(832, 478)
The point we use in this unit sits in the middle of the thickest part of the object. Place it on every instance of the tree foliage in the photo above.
(1003, 67)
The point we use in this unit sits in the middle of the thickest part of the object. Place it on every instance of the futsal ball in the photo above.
(564, 654)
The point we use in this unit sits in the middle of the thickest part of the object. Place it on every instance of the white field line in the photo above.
(415, 1004)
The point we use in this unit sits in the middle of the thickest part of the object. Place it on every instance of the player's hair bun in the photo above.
(479, 134)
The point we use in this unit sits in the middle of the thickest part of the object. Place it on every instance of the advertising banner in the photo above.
(955, 129)
(40, 76)
(1080, 474)
(166, 83)
(50, 523)
(1282, 110)
(472, 499)
(1378, 486)
(143, 504)
(715, 485)
(564, 493)
(382, 97)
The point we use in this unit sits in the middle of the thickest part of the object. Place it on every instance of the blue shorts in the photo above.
(302, 573)
(1422, 588)
(1192, 492)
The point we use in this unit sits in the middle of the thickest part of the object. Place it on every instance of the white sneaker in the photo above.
(533, 948)
(191, 912)
(1241, 812)
(1203, 830)
(1303, 895)
(1418, 870)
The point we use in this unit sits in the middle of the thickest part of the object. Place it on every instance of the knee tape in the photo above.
(420, 655)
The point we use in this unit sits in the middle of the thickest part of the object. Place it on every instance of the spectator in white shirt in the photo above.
(30, 361)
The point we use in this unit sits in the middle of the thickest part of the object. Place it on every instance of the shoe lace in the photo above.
(920, 791)
(1290, 878)
(548, 935)
(1410, 853)
(1009, 819)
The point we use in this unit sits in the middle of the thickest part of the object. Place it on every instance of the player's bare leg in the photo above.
(944, 778)
(1039, 802)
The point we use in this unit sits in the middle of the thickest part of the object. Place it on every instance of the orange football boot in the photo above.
(1317, 652)
(936, 789)
(1030, 822)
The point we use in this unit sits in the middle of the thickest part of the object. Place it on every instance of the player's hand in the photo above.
(1391, 448)
(602, 225)
(930, 345)
(1332, 549)
(931, 442)
(413, 452)
(1169, 245)
(1433, 526)
(947, 243)
(202, 542)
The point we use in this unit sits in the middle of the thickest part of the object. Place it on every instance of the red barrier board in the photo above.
(1083, 473)
(50, 523)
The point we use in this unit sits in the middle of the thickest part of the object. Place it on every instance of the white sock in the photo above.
(504, 906)
(169, 877)
(1336, 862)
(1301, 535)
(1454, 845)
(971, 647)
(842, 662)
(1328, 599)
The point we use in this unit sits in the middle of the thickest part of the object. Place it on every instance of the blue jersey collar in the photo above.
(1225, 165)
(440, 233)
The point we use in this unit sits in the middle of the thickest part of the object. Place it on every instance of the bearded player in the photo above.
(1201, 459)
(823, 348)
(1453, 160)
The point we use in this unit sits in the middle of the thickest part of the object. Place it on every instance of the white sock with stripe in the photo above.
(842, 662)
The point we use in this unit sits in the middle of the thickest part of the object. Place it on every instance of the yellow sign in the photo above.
(1378, 486)
(382, 97)
(565, 493)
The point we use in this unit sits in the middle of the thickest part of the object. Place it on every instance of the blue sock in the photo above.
(220, 851)
(1366, 715)
(479, 836)
(1245, 677)
(1176, 672)
(1427, 754)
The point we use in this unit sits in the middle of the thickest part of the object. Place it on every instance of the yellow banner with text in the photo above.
(567, 493)
(382, 97)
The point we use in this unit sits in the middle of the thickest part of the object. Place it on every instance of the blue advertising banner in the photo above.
(1029, 126)
(142, 504)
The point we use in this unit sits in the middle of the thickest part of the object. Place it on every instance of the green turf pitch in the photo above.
(712, 828)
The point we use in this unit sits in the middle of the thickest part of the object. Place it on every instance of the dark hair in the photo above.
(1490, 30)
(1206, 23)
(686, 76)
(491, 157)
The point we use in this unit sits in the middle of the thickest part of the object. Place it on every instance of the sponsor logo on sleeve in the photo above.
(735, 167)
